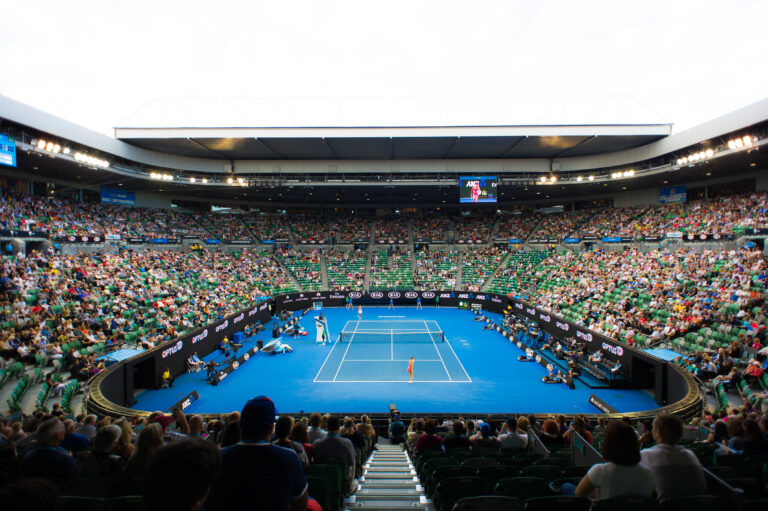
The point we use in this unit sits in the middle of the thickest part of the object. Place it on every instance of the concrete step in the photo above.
(408, 484)
(380, 468)
(395, 493)
(399, 463)
(395, 479)
(385, 505)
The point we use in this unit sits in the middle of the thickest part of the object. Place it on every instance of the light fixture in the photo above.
(553, 179)
(192, 179)
(710, 153)
(591, 178)
(579, 178)
(543, 179)
(747, 140)
(41, 144)
(230, 180)
(204, 180)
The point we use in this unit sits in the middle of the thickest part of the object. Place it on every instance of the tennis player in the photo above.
(410, 370)
(418, 303)
(475, 191)
(359, 312)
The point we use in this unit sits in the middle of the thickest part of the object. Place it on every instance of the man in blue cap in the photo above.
(254, 472)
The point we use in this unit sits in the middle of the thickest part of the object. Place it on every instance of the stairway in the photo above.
(323, 270)
(502, 265)
(388, 483)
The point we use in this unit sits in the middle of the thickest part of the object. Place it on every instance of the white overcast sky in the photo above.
(103, 64)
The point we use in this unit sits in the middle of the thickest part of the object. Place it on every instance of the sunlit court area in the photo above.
(431, 256)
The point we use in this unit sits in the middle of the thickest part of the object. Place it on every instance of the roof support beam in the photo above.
(512, 147)
(269, 148)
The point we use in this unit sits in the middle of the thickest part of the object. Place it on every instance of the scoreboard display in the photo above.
(477, 189)
(7, 151)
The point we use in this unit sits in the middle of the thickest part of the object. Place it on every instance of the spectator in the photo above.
(149, 441)
(73, 442)
(315, 431)
(30, 495)
(46, 459)
(623, 474)
(509, 438)
(103, 460)
(677, 470)
(429, 440)
(458, 440)
(396, 429)
(180, 476)
(755, 443)
(254, 469)
(88, 428)
(483, 440)
(333, 446)
(550, 435)
(283, 429)
(299, 434)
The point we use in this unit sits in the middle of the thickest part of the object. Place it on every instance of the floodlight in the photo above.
(747, 140)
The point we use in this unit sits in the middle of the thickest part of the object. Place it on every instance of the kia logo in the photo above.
(377, 294)
(355, 294)
(411, 294)
(394, 294)
(235, 365)
(246, 356)
(428, 294)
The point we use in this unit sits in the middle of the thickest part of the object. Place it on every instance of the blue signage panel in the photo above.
(670, 194)
(571, 240)
(7, 151)
(112, 196)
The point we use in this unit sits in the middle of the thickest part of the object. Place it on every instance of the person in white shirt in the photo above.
(623, 474)
(677, 470)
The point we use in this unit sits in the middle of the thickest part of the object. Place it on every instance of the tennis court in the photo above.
(378, 351)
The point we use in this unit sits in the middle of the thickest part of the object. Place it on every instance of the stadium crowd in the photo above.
(178, 461)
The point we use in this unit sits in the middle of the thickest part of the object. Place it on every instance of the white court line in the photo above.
(329, 354)
(438, 352)
(391, 381)
(349, 343)
(458, 359)
(380, 360)
(391, 344)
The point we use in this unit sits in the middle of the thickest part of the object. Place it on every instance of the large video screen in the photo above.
(477, 189)
(7, 151)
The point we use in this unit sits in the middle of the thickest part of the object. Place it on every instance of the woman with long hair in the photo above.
(125, 445)
(149, 441)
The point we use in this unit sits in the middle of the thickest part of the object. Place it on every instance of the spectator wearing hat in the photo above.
(483, 440)
(256, 473)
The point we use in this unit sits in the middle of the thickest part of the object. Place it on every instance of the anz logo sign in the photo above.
(377, 294)
(519, 306)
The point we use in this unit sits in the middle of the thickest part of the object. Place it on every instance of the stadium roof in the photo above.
(402, 129)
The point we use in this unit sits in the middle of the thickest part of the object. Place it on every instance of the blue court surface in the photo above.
(472, 371)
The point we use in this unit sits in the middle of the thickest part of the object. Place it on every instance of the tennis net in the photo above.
(387, 336)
